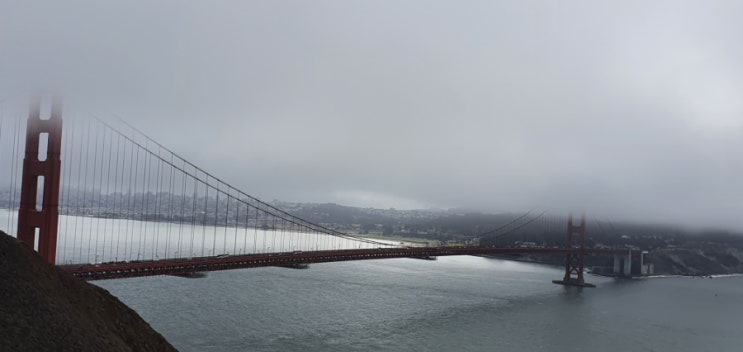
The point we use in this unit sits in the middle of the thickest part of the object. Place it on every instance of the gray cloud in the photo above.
(625, 111)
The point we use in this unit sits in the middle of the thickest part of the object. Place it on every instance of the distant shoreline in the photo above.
(415, 240)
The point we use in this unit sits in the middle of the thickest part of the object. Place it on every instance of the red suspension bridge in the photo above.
(103, 200)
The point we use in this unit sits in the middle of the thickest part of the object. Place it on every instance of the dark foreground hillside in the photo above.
(45, 309)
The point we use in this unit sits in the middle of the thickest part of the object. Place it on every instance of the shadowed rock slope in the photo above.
(44, 309)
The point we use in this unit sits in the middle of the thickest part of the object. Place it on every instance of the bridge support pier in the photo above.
(574, 260)
(41, 168)
(623, 265)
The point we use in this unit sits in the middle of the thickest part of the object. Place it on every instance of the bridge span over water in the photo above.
(103, 200)
(117, 270)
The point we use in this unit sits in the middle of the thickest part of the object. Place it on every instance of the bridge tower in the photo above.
(37, 223)
(574, 259)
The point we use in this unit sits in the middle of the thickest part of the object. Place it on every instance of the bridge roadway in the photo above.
(185, 266)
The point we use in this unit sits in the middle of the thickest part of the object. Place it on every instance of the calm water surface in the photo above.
(452, 304)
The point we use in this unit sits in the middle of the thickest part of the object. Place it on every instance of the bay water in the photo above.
(459, 303)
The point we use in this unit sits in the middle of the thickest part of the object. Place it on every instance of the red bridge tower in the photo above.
(574, 259)
(38, 222)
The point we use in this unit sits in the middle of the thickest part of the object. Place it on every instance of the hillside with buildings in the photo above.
(675, 250)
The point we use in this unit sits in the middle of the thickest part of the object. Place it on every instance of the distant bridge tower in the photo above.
(37, 223)
(574, 259)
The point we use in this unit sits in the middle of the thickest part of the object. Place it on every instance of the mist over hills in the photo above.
(674, 249)
(438, 224)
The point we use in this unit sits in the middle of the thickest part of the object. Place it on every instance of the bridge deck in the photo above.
(189, 265)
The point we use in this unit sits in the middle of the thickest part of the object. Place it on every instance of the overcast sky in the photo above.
(625, 110)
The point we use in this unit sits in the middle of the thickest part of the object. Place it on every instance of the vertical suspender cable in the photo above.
(206, 209)
(216, 218)
(283, 234)
(237, 224)
(118, 195)
(170, 206)
(156, 213)
(66, 199)
(134, 159)
(273, 230)
(97, 212)
(90, 233)
(247, 225)
(141, 249)
(226, 225)
(107, 196)
(182, 213)
(14, 172)
(255, 232)
(78, 210)
(193, 216)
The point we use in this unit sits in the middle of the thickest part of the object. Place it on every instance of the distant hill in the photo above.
(466, 226)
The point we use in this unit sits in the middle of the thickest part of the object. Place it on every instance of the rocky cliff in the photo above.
(44, 309)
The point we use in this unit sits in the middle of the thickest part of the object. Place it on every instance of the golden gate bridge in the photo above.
(103, 200)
